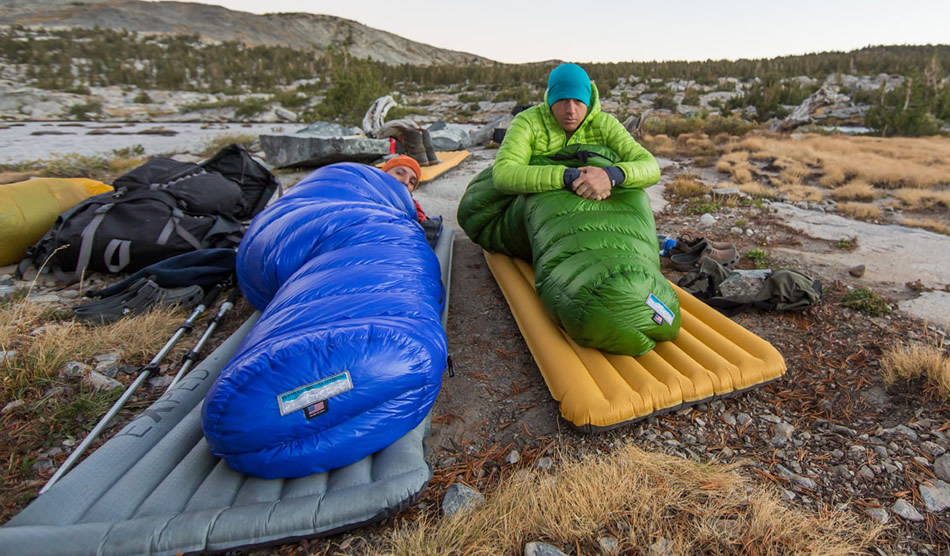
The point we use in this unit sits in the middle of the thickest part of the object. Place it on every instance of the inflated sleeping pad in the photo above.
(597, 266)
(348, 354)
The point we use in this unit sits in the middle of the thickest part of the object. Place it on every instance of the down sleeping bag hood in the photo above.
(348, 354)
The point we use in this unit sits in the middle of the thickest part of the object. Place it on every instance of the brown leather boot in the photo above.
(412, 141)
(430, 150)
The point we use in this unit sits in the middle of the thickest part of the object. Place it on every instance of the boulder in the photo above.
(329, 129)
(484, 134)
(449, 137)
(302, 150)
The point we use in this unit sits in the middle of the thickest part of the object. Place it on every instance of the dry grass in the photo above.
(857, 190)
(659, 145)
(736, 163)
(756, 189)
(792, 171)
(861, 211)
(802, 193)
(918, 360)
(923, 199)
(931, 224)
(697, 509)
(46, 339)
(884, 162)
(687, 186)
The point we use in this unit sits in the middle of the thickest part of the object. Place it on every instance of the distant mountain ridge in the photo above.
(215, 23)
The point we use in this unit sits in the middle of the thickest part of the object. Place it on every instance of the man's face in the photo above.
(405, 175)
(569, 113)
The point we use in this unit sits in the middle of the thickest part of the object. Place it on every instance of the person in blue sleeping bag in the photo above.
(349, 351)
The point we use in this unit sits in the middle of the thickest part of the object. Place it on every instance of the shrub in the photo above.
(687, 186)
(866, 301)
(86, 110)
(759, 258)
(142, 98)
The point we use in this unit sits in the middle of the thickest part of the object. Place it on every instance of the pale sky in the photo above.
(629, 30)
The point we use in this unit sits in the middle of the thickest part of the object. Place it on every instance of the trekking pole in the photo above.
(144, 373)
(191, 357)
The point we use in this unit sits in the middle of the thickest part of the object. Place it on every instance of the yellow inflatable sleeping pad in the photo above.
(711, 357)
(448, 160)
(28, 209)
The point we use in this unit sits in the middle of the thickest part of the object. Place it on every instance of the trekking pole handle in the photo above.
(211, 295)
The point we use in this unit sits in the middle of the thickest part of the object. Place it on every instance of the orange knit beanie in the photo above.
(403, 160)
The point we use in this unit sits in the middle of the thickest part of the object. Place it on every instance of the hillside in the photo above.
(217, 24)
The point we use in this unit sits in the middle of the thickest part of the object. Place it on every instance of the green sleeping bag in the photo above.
(596, 263)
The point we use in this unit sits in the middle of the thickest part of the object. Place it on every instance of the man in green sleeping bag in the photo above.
(569, 179)
(570, 115)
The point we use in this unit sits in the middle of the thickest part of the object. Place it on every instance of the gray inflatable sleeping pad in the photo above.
(155, 488)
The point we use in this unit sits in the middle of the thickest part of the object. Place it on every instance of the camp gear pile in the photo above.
(161, 209)
(597, 268)
(349, 352)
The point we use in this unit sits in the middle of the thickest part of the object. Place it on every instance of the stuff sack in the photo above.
(731, 292)
(126, 231)
(29, 208)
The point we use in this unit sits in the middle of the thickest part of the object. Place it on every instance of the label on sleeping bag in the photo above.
(314, 393)
(662, 313)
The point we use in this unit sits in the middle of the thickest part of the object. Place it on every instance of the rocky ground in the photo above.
(829, 433)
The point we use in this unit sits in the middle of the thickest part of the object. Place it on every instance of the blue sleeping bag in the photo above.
(349, 352)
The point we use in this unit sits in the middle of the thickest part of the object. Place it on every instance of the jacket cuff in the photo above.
(615, 174)
(570, 175)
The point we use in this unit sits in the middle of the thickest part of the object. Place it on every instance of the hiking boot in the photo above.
(727, 257)
(413, 144)
(430, 150)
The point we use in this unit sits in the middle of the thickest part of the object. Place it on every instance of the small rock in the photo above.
(536, 548)
(866, 472)
(42, 465)
(707, 219)
(932, 448)
(102, 382)
(743, 419)
(879, 515)
(513, 457)
(857, 271)
(11, 406)
(69, 294)
(942, 467)
(459, 497)
(545, 463)
(906, 431)
(727, 453)
(906, 511)
(608, 545)
(161, 381)
(44, 298)
(7, 355)
(662, 547)
(729, 419)
(74, 368)
(936, 496)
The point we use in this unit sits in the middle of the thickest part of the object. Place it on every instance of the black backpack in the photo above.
(161, 209)
(125, 231)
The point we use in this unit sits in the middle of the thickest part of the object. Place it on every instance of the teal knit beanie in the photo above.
(568, 81)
